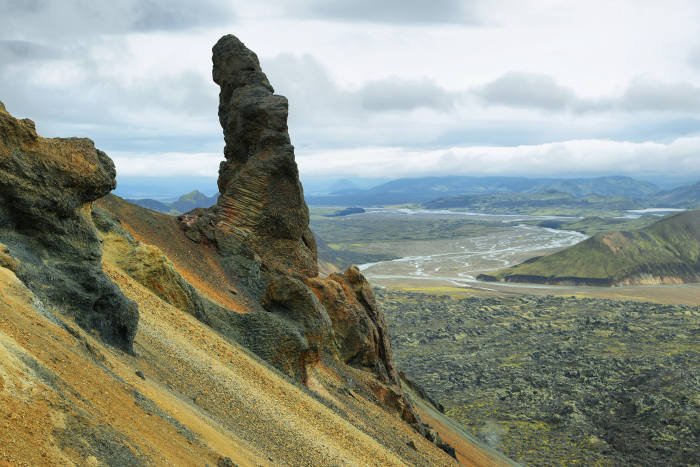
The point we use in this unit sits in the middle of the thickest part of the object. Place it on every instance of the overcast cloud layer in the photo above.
(376, 89)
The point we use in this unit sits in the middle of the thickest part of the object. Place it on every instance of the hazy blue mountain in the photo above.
(420, 190)
(528, 201)
(185, 203)
(162, 188)
(322, 186)
(683, 197)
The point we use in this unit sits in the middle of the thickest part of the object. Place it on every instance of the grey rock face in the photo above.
(262, 200)
(46, 187)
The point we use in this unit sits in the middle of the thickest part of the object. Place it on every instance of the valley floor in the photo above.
(681, 294)
(558, 380)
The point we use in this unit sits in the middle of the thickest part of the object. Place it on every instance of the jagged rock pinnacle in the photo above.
(262, 200)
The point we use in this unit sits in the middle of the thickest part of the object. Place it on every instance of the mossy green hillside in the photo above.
(665, 252)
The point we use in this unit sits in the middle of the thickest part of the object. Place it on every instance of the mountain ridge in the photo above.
(666, 252)
(184, 203)
(425, 189)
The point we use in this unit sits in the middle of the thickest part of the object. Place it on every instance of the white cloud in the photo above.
(61, 19)
(575, 157)
(580, 157)
(694, 57)
(650, 95)
(542, 92)
(526, 90)
(399, 94)
(391, 11)
(135, 75)
(171, 164)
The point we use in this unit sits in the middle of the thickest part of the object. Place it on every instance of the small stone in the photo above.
(225, 462)
(140, 374)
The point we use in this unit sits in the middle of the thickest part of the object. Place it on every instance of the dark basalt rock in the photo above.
(262, 200)
(46, 187)
(559, 280)
(260, 228)
(260, 224)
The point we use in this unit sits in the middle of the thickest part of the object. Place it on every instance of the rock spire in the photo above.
(262, 200)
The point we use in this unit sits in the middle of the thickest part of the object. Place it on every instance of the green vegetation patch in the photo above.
(558, 380)
(668, 250)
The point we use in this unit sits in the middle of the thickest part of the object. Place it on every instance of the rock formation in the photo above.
(262, 201)
(260, 228)
(245, 269)
(46, 187)
(359, 327)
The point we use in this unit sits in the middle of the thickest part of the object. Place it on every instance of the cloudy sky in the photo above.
(376, 88)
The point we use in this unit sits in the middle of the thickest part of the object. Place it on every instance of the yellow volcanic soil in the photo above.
(203, 397)
(32, 411)
(234, 405)
(198, 264)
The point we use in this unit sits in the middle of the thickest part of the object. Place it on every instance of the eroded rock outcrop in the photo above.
(262, 200)
(46, 187)
(260, 228)
(260, 225)
(359, 327)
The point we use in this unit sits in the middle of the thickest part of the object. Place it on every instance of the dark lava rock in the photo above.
(260, 229)
(578, 380)
(46, 187)
(262, 200)
(225, 462)
(448, 449)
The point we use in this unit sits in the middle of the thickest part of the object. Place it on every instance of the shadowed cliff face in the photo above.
(262, 200)
(46, 186)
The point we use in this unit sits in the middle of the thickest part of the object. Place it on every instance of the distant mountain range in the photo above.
(491, 194)
(686, 196)
(429, 189)
(526, 202)
(185, 203)
(667, 252)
